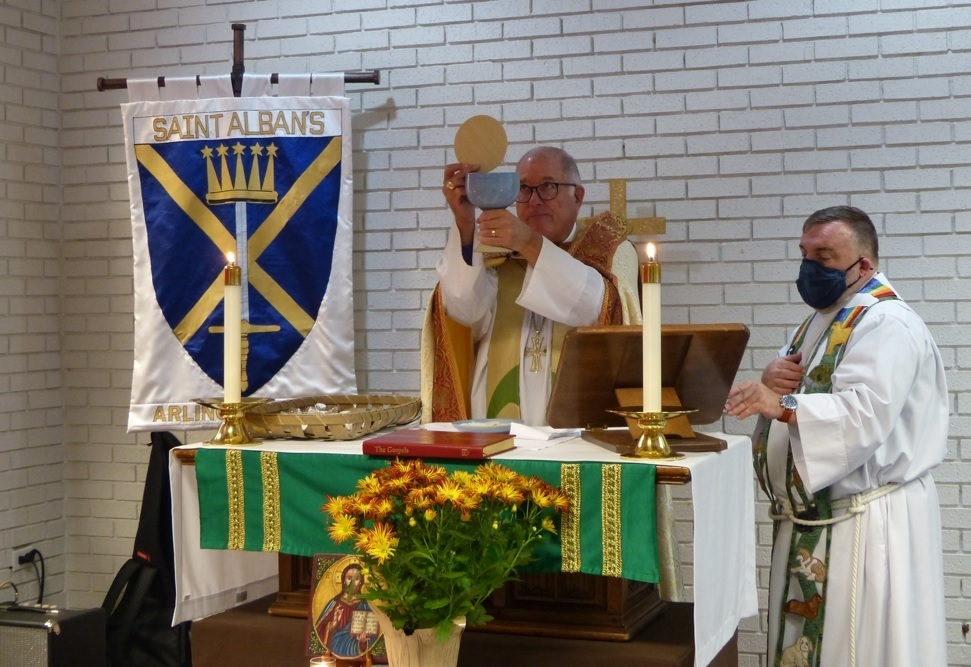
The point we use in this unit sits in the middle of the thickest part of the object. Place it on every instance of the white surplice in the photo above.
(558, 288)
(885, 421)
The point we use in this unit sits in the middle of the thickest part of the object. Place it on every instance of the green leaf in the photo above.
(436, 603)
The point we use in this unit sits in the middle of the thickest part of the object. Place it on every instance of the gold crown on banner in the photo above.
(226, 189)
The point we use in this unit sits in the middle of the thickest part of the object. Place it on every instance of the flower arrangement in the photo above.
(436, 545)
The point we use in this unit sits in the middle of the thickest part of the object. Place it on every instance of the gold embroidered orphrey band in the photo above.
(234, 485)
(570, 524)
(610, 517)
(271, 501)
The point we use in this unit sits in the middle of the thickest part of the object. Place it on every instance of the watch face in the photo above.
(788, 402)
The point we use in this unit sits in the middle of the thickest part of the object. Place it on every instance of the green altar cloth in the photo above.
(271, 501)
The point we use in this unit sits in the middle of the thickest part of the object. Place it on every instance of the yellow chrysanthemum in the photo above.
(435, 474)
(418, 498)
(342, 528)
(400, 468)
(561, 501)
(336, 505)
(467, 501)
(510, 494)
(542, 496)
(364, 507)
(370, 485)
(482, 485)
(462, 477)
(399, 484)
(448, 491)
(383, 542)
(498, 472)
(430, 514)
(548, 525)
(382, 507)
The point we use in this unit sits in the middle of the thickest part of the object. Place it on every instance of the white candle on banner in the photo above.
(651, 311)
(232, 331)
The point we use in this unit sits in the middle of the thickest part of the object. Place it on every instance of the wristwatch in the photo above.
(789, 405)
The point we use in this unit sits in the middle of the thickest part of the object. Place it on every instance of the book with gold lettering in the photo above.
(418, 442)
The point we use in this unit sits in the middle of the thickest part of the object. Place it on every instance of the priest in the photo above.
(853, 418)
(495, 323)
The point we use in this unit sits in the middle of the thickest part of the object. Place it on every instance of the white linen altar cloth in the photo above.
(723, 500)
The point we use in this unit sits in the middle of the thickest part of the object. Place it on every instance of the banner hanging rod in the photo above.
(355, 76)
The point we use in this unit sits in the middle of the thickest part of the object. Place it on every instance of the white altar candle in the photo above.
(232, 331)
(651, 310)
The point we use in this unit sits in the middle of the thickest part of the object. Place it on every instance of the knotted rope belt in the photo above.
(855, 506)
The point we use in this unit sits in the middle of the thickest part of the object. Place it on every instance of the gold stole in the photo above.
(454, 352)
(506, 349)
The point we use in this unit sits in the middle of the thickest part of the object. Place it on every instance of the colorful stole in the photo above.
(804, 595)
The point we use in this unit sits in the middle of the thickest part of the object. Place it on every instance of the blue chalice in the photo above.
(492, 190)
(489, 191)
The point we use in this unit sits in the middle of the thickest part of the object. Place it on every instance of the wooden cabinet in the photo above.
(580, 606)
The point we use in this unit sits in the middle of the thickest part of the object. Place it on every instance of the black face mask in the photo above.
(820, 287)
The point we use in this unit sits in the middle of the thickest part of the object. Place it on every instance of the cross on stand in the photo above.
(618, 207)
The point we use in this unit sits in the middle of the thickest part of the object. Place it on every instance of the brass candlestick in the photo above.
(233, 430)
(652, 444)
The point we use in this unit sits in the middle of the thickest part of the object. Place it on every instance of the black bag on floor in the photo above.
(141, 599)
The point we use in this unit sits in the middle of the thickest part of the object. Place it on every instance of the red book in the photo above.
(417, 442)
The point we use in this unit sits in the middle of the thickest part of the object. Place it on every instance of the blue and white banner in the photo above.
(266, 178)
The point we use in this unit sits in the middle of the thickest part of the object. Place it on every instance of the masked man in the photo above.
(853, 416)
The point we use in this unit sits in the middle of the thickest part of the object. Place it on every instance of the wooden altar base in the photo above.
(248, 635)
(577, 606)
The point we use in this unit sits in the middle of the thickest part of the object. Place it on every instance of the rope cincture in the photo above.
(855, 506)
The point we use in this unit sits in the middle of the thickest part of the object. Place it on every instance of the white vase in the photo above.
(422, 648)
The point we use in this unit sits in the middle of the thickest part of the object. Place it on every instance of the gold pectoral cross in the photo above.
(536, 351)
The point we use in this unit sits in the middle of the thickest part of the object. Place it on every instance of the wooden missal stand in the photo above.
(601, 368)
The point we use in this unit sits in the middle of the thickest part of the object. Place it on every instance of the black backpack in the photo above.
(141, 599)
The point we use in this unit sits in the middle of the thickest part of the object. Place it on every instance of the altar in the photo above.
(722, 567)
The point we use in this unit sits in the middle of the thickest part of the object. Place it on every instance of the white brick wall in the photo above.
(732, 119)
(33, 456)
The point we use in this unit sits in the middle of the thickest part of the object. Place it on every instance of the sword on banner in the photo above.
(243, 192)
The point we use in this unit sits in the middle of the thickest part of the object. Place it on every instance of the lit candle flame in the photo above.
(231, 257)
(650, 252)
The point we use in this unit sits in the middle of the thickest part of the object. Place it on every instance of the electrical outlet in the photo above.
(15, 558)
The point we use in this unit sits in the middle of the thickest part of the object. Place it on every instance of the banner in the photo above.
(265, 178)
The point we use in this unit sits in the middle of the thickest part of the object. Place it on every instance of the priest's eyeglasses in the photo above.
(545, 191)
